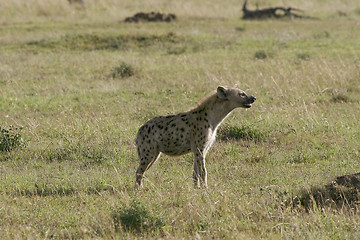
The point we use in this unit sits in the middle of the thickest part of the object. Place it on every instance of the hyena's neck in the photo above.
(217, 110)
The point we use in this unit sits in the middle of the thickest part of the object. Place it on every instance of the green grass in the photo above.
(77, 83)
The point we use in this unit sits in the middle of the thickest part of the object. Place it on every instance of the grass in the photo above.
(67, 92)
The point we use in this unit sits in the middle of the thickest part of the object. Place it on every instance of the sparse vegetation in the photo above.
(124, 70)
(303, 56)
(321, 34)
(340, 98)
(10, 139)
(261, 54)
(61, 78)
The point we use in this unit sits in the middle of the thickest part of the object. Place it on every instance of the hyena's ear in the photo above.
(221, 92)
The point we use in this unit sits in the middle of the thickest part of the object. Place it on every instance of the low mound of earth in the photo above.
(151, 17)
(343, 191)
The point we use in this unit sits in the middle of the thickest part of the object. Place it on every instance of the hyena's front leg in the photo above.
(200, 173)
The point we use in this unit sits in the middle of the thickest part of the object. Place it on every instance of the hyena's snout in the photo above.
(252, 99)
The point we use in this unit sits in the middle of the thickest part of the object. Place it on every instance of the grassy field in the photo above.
(77, 83)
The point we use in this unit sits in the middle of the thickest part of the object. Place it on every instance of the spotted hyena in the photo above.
(190, 131)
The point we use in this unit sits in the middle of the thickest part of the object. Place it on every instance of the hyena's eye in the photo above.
(242, 94)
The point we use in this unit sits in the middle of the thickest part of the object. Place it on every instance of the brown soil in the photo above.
(344, 191)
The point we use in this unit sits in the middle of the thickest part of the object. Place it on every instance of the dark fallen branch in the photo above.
(276, 12)
(151, 17)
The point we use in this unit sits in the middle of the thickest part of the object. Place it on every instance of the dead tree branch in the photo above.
(276, 12)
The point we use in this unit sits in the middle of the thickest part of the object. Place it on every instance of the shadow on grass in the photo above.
(136, 218)
(102, 41)
(88, 155)
(342, 192)
(43, 190)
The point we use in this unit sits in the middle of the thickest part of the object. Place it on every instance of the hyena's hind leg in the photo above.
(147, 158)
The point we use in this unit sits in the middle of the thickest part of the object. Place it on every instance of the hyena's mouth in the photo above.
(247, 105)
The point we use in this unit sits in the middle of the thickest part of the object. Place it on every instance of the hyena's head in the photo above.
(237, 97)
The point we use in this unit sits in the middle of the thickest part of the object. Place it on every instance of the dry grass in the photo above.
(74, 176)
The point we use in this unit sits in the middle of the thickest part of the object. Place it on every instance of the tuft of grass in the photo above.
(246, 132)
(240, 29)
(321, 34)
(124, 70)
(177, 50)
(10, 139)
(136, 218)
(301, 156)
(303, 56)
(340, 98)
(261, 54)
